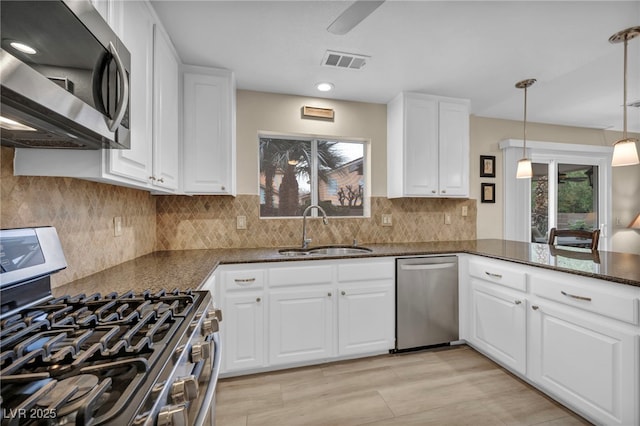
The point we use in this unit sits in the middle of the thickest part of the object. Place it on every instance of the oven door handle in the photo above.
(213, 382)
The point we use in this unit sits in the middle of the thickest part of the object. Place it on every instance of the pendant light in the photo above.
(625, 152)
(524, 165)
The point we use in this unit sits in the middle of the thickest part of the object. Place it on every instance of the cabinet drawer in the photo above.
(366, 271)
(239, 280)
(599, 298)
(296, 275)
(499, 273)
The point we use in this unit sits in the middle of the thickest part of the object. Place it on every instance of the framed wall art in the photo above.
(487, 166)
(488, 191)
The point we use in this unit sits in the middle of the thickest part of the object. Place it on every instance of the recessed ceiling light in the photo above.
(24, 48)
(324, 87)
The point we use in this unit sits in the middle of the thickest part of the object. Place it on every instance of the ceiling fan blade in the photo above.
(354, 14)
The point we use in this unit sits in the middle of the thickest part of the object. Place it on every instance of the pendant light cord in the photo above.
(524, 131)
(624, 96)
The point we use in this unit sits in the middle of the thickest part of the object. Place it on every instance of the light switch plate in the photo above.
(117, 226)
(465, 211)
(241, 222)
(447, 218)
(387, 220)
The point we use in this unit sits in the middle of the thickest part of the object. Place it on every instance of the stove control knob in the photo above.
(215, 313)
(173, 415)
(184, 389)
(209, 326)
(200, 352)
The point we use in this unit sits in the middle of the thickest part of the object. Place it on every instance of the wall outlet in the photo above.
(117, 226)
(241, 222)
(387, 220)
(447, 218)
(465, 211)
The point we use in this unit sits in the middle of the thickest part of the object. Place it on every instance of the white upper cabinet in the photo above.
(166, 132)
(209, 145)
(427, 146)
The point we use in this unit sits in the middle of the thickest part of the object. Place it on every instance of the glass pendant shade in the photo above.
(625, 153)
(635, 223)
(524, 169)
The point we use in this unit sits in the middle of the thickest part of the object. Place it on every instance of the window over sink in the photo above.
(296, 172)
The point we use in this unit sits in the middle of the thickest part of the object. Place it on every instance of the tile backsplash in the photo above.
(83, 213)
(210, 222)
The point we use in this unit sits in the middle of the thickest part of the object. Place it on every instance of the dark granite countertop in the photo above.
(190, 268)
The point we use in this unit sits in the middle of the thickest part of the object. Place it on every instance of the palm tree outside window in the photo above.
(298, 172)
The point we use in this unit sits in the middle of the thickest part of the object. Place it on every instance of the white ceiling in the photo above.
(475, 49)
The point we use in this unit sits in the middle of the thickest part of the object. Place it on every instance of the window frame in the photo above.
(517, 192)
(314, 139)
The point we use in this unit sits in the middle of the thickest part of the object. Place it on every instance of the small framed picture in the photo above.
(487, 166)
(488, 192)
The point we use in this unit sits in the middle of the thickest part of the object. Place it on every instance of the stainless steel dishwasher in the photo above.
(426, 301)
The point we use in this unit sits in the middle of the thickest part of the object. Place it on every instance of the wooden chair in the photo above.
(588, 239)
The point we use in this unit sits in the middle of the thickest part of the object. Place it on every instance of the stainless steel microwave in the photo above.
(65, 77)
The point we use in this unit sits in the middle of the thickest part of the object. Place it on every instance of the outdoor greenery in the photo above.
(575, 197)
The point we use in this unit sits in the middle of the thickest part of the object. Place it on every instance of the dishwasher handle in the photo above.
(426, 266)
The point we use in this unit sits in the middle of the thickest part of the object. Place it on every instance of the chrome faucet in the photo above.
(305, 240)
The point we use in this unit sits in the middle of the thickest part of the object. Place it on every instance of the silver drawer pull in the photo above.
(518, 302)
(244, 281)
(535, 308)
(493, 275)
(573, 296)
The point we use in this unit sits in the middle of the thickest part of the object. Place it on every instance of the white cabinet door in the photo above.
(209, 131)
(453, 152)
(134, 24)
(498, 324)
(586, 363)
(365, 319)
(421, 147)
(243, 331)
(300, 325)
(165, 118)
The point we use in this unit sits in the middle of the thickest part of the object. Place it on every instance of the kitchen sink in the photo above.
(324, 251)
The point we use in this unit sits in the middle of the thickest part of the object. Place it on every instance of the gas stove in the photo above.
(139, 358)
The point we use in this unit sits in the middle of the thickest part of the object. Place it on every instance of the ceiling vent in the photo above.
(344, 60)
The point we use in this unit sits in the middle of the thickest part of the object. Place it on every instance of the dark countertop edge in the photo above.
(162, 269)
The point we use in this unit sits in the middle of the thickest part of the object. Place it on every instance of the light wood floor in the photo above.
(452, 386)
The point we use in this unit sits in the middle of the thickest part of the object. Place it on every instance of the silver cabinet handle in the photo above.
(535, 308)
(492, 275)
(344, 293)
(444, 192)
(161, 180)
(433, 191)
(258, 299)
(124, 91)
(518, 302)
(152, 178)
(573, 296)
(244, 282)
(329, 294)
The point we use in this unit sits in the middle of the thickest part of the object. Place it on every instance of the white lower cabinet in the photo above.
(365, 322)
(300, 325)
(573, 337)
(499, 325)
(588, 364)
(292, 313)
(243, 331)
